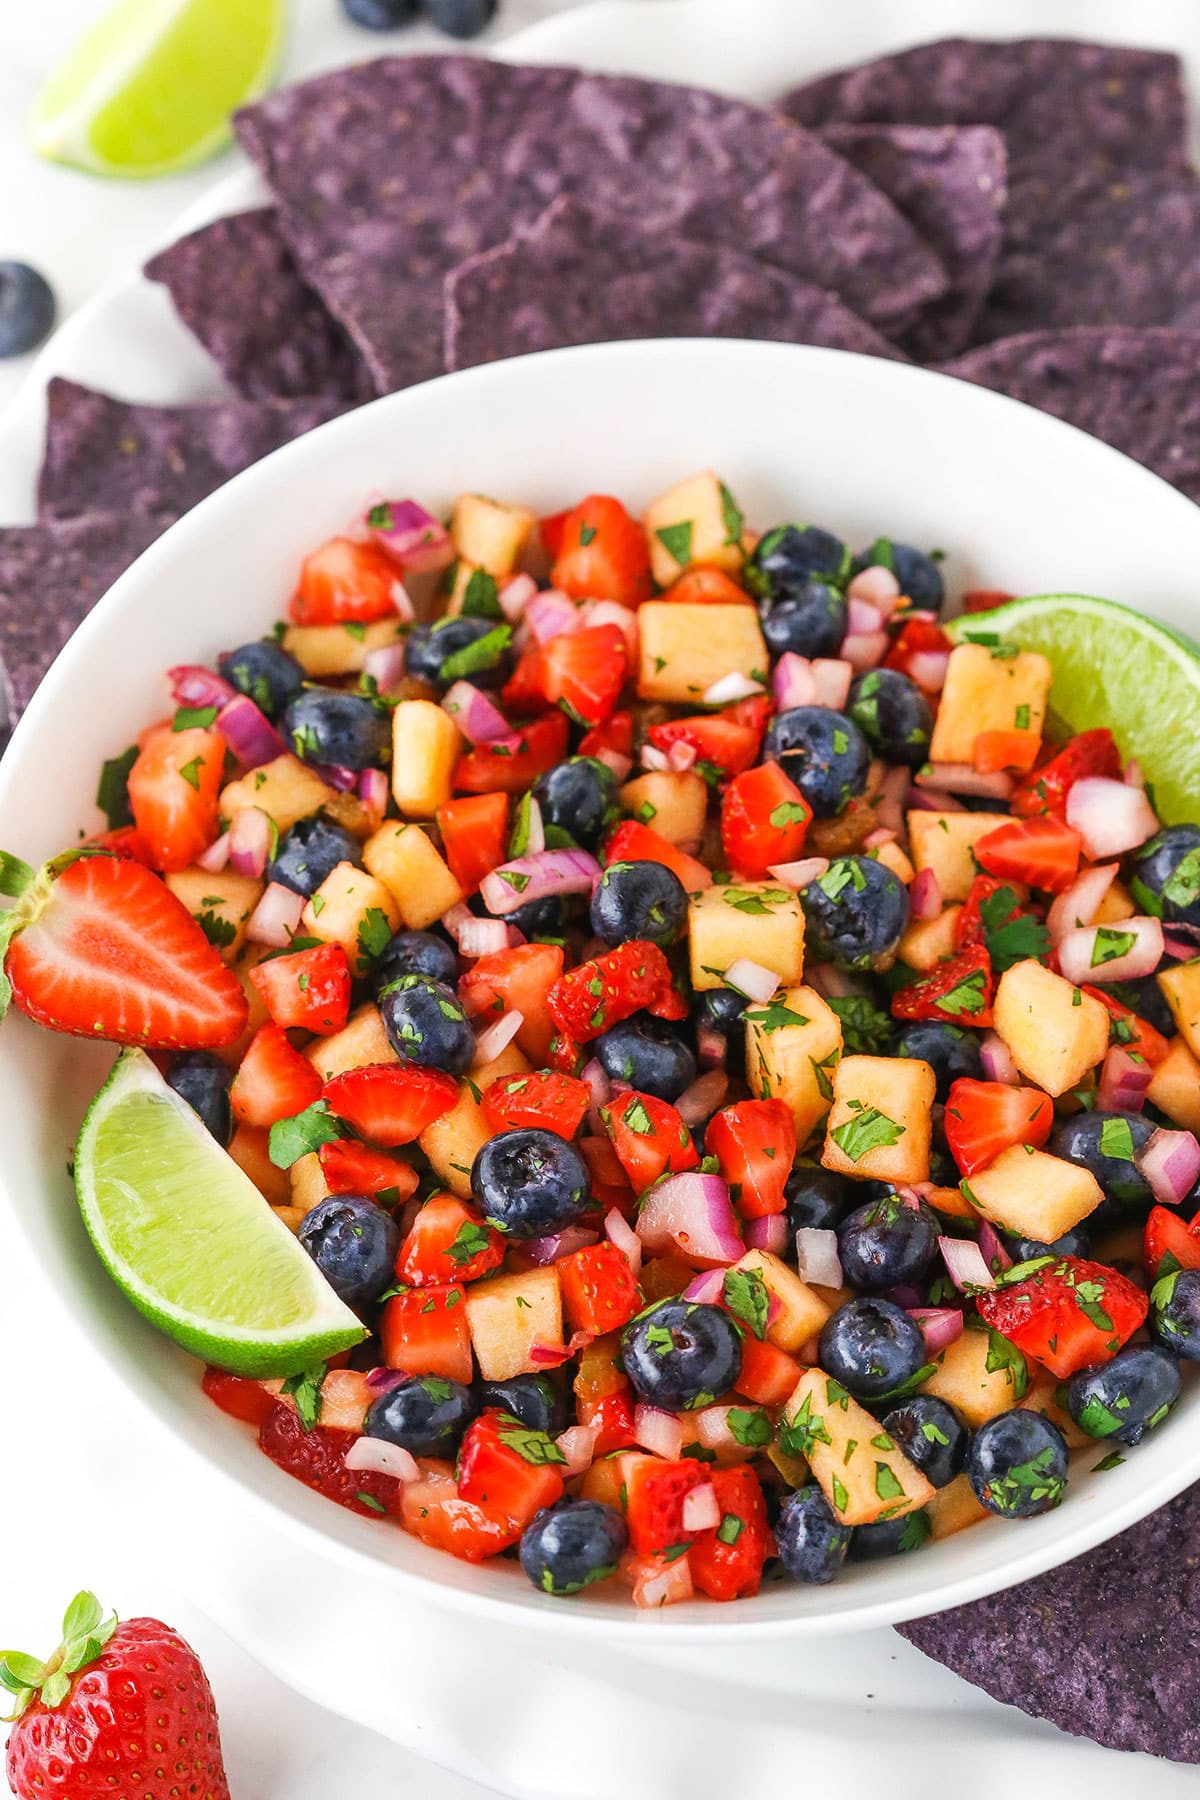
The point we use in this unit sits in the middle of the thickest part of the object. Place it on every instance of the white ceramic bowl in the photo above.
(1018, 501)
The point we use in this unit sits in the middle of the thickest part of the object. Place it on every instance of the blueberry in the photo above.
(918, 574)
(536, 1400)
(950, 1052)
(380, 15)
(717, 1014)
(354, 1243)
(1071, 1243)
(264, 670)
(429, 648)
(543, 920)
(823, 752)
(639, 900)
(530, 1183)
(681, 1354)
(891, 1537)
(931, 1435)
(812, 1543)
(1166, 877)
(460, 18)
(1175, 1313)
(872, 1347)
(817, 1198)
(1127, 1397)
(203, 1081)
(811, 621)
(579, 797)
(416, 953)
(423, 1414)
(310, 851)
(27, 308)
(425, 1024)
(1017, 1464)
(1105, 1143)
(569, 1546)
(886, 1243)
(647, 1053)
(893, 714)
(855, 914)
(787, 557)
(328, 725)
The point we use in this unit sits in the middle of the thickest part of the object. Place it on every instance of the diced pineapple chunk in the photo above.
(863, 1473)
(249, 1148)
(425, 747)
(307, 1180)
(979, 1374)
(1035, 1195)
(988, 690)
(291, 1216)
(361, 1042)
(674, 805)
(750, 919)
(220, 904)
(285, 789)
(324, 650)
(508, 1316)
(1043, 1397)
(1055, 1031)
(490, 534)
(943, 842)
(416, 876)
(792, 1045)
(1180, 987)
(684, 649)
(953, 1508)
(1175, 1086)
(927, 941)
(353, 909)
(454, 1141)
(892, 857)
(696, 521)
(881, 1122)
(800, 1311)
(1116, 905)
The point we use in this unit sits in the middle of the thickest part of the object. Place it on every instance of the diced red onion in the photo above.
(769, 1232)
(882, 834)
(865, 650)
(906, 1294)
(928, 669)
(385, 665)
(611, 612)
(1180, 948)
(654, 758)
(621, 765)
(1135, 775)
(249, 733)
(964, 1263)
(664, 1586)
(551, 614)
(792, 682)
(680, 757)
(964, 778)
(730, 688)
(1110, 816)
(893, 792)
(832, 676)
(373, 791)
(659, 1432)
(693, 1213)
(411, 535)
(713, 1430)
(498, 1037)
(1170, 1162)
(991, 1249)
(481, 937)
(536, 876)
(997, 1060)
(925, 895)
(712, 1050)
(535, 829)
(1076, 952)
(594, 1073)
(707, 1287)
(700, 1101)
(578, 1445)
(515, 595)
(862, 619)
(799, 875)
(817, 1257)
(194, 685)
(543, 1251)
(250, 841)
(831, 983)
(475, 713)
(276, 919)
(623, 1237)
(1124, 1079)
(376, 1456)
(1081, 902)
(382, 1381)
(701, 1508)
(877, 585)
(932, 800)
(940, 1325)
(552, 1356)
(751, 979)
(214, 859)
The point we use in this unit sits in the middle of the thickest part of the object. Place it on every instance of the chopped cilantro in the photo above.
(745, 1295)
(676, 540)
(869, 1130)
(305, 1131)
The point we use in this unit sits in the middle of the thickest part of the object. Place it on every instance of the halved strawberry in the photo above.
(309, 990)
(99, 947)
(725, 744)
(632, 842)
(611, 1417)
(601, 552)
(985, 1117)
(344, 582)
(649, 1137)
(510, 765)
(274, 1081)
(755, 1143)
(448, 1241)
(1066, 1314)
(546, 1099)
(1046, 789)
(1041, 851)
(474, 836)
(584, 672)
(238, 1396)
(353, 1168)
(173, 793)
(516, 980)
(391, 1103)
(958, 990)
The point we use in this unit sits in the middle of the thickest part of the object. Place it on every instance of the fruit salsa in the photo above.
(693, 1070)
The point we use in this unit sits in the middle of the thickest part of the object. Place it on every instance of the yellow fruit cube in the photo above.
(454, 1141)
(220, 904)
(892, 857)
(285, 789)
(508, 1316)
(684, 649)
(792, 1046)
(306, 1179)
(361, 1042)
(1055, 1031)
(426, 744)
(801, 1310)
(674, 805)
(750, 919)
(987, 689)
(696, 521)
(881, 1122)
(979, 1374)
(1116, 905)
(1034, 1195)
(943, 842)
(926, 942)
(862, 1471)
(249, 1148)
(353, 909)
(1175, 1086)
(414, 872)
(490, 534)
(324, 650)
(953, 1508)
(1043, 1397)
(1180, 986)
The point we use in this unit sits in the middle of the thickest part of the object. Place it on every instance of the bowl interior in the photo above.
(1017, 501)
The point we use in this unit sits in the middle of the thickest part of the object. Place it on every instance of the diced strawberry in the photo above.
(1170, 1244)
(977, 600)
(551, 530)
(309, 990)
(391, 1103)
(768, 1374)
(510, 765)
(707, 587)
(1040, 851)
(727, 1560)
(1129, 1031)
(509, 1468)
(756, 711)
(604, 1165)
(344, 582)
(353, 1168)
(274, 1081)
(173, 793)
(649, 1137)
(1046, 789)
(611, 1416)
(448, 1242)
(655, 1491)
(424, 1331)
(317, 1457)
(584, 672)
(616, 734)
(125, 843)
(632, 842)
(598, 1289)
(474, 836)
(764, 817)
(516, 980)
(565, 1054)
(671, 1004)
(718, 740)
(522, 692)
(997, 750)
(984, 1118)
(919, 637)
(433, 1511)
(755, 1143)
(242, 1399)
(990, 905)
(958, 991)
(598, 994)
(546, 1099)
(106, 950)
(601, 553)
(1066, 1314)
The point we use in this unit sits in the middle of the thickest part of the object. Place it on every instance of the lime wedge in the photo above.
(189, 1239)
(150, 88)
(1113, 667)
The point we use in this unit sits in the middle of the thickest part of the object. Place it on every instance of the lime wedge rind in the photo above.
(189, 1239)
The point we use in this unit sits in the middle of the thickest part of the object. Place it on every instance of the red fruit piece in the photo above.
(516, 980)
(391, 1103)
(598, 1289)
(632, 842)
(174, 788)
(959, 991)
(317, 1457)
(918, 637)
(727, 1560)
(1128, 1031)
(655, 1491)
(1067, 1313)
(448, 1242)
(616, 734)
(344, 582)
(601, 553)
(1168, 1237)
(649, 1137)
(768, 1374)
(600, 993)
(718, 740)
(425, 1332)
(584, 672)
(984, 1118)
(241, 1398)
(104, 949)
(754, 1141)
(707, 587)
(546, 1099)
(992, 915)
(308, 990)
(1042, 852)
(1046, 789)
(433, 1511)
(611, 1416)
(353, 1168)
(764, 817)
(510, 765)
(474, 836)
(509, 1468)
(274, 1081)
(124, 842)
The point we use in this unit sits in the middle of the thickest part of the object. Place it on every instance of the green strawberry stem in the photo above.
(15, 876)
(85, 1632)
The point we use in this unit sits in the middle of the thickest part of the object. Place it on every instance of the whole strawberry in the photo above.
(120, 1710)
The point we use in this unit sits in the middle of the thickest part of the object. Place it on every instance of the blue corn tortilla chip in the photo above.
(1137, 390)
(236, 288)
(951, 182)
(389, 175)
(576, 277)
(107, 455)
(1105, 1647)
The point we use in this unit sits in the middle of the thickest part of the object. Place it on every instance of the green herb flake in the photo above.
(532, 1446)
(730, 1529)
(481, 598)
(1116, 1139)
(290, 1139)
(745, 1295)
(775, 1016)
(190, 718)
(869, 1130)
(305, 1390)
(1110, 944)
(484, 653)
(731, 516)
(676, 540)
